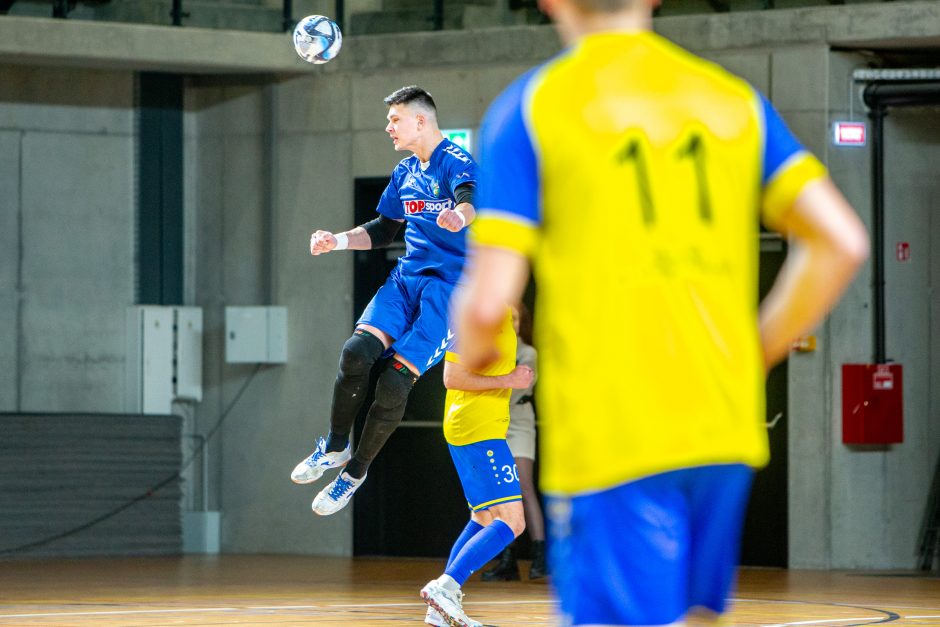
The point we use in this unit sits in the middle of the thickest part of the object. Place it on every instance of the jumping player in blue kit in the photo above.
(431, 192)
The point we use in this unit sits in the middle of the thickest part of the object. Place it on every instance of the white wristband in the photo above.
(463, 219)
(342, 241)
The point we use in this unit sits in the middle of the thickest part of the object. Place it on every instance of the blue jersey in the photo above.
(418, 195)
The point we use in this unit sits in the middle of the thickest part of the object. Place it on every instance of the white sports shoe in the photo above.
(336, 495)
(448, 603)
(434, 618)
(312, 468)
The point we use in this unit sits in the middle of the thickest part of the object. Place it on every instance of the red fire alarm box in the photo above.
(872, 404)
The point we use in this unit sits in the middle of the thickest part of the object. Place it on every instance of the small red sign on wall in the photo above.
(882, 378)
(903, 251)
(848, 133)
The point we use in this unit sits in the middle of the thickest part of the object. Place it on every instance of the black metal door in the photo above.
(765, 528)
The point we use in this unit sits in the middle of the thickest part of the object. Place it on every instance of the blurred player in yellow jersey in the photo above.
(633, 175)
(476, 417)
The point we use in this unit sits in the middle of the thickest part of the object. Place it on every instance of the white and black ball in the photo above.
(317, 39)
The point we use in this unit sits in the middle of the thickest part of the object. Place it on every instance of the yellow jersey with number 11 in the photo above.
(634, 175)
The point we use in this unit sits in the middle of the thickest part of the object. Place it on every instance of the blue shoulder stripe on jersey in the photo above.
(508, 164)
(779, 142)
(390, 204)
(451, 149)
(456, 165)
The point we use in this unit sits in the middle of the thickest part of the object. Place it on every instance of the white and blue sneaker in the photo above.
(448, 604)
(336, 495)
(312, 468)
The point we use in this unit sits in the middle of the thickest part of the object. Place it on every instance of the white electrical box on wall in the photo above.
(277, 335)
(149, 385)
(256, 335)
(188, 379)
(164, 358)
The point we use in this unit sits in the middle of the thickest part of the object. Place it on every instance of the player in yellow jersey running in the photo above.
(476, 417)
(632, 175)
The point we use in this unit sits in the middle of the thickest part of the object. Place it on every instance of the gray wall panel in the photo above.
(800, 78)
(66, 100)
(315, 103)
(912, 150)
(752, 66)
(877, 495)
(318, 293)
(9, 267)
(78, 258)
(113, 462)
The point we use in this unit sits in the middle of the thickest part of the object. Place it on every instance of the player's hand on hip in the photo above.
(451, 220)
(322, 242)
(521, 377)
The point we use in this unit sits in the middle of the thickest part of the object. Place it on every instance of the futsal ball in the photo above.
(317, 39)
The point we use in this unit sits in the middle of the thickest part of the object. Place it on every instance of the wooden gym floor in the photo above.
(292, 590)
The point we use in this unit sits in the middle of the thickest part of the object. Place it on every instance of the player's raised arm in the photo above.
(463, 213)
(829, 243)
(378, 233)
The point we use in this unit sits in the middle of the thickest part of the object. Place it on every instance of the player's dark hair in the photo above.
(409, 95)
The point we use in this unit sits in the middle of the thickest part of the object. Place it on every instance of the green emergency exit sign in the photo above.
(460, 136)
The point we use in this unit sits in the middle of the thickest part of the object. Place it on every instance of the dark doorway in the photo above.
(412, 505)
(765, 528)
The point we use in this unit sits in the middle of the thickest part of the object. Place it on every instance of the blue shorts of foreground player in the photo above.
(647, 551)
(413, 311)
(487, 473)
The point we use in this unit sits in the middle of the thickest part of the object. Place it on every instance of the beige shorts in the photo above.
(521, 434)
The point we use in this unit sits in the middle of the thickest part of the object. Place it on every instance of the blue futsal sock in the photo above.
(472, 529)
(480, 549)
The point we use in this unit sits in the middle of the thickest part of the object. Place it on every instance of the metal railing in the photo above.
(431, 16)
(62, 8)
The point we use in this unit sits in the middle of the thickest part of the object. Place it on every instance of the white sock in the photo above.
(448, 583)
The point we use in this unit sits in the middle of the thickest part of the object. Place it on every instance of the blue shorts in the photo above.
(412, 310)
(487, 473)
(647, 551)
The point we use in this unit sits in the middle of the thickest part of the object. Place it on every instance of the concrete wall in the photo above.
(268, 160)
(877, 493)
(10, 216)
(66, 223)
(855, 507)
(902, 473)
(261, 178)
